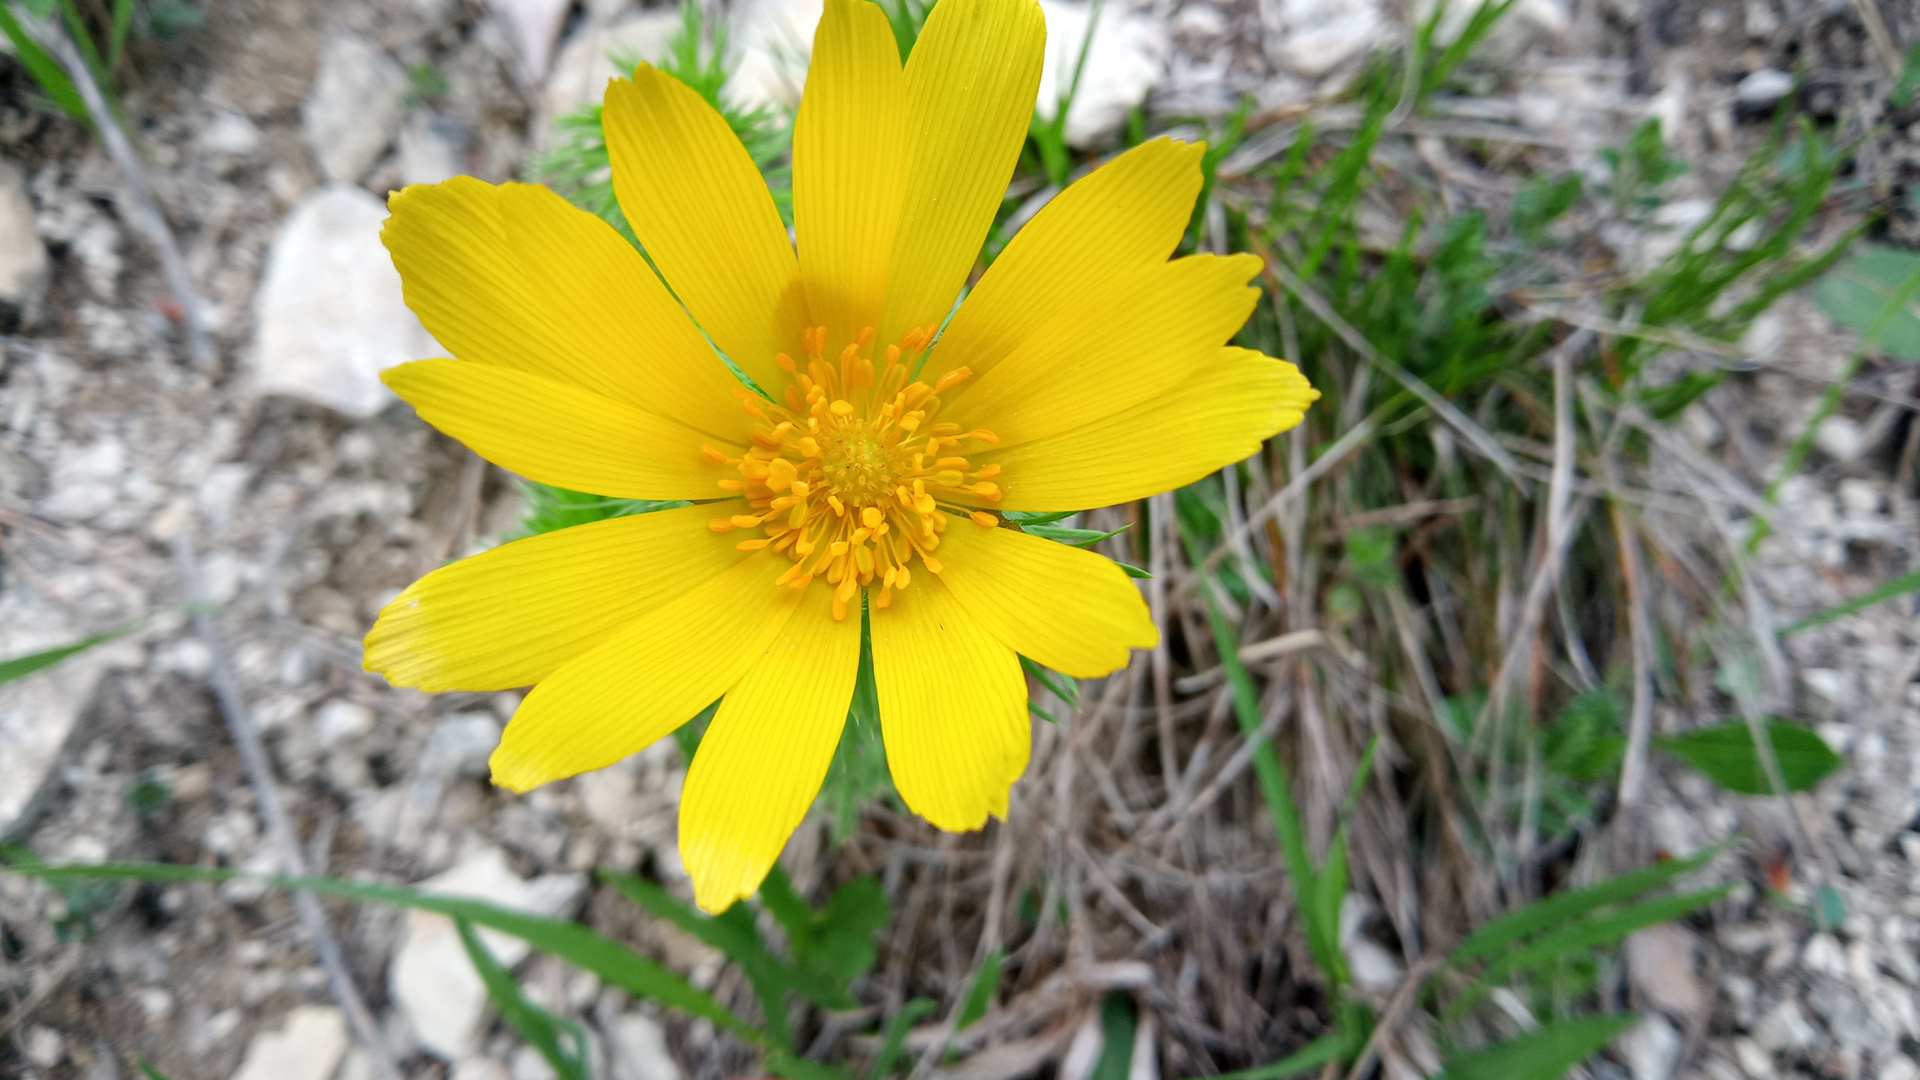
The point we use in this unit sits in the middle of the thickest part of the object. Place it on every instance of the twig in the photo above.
(1160, 512)
(1640, 728)
(1403, 997)
(1297, 486)
(139, 198)
(253, 758)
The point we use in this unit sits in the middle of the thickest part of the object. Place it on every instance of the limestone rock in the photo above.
(329, 313)
(533, 26)
(308, 1047)
(637, 1049)
(1315, 49)
(432, 148)
(774, 39)
(1124, 60)
(353, 110)
(431, 980)
(1650, 1048)
(1762, 90)
(581, 71)
(38, 712)
(23, 257)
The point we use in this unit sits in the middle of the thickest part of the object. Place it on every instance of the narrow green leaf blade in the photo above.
(986, 982)
(1899, 586)
(541, 1029)
(1727, 754)
(1119, 1022)
(42, 66)
(1545, 1054)
(579, 945)
(1602, 930)
(1329, 1047)
(22, 666)
(1554, 911)
(895, 1038)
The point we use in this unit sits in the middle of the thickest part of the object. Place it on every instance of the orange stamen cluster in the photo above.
(848, 477)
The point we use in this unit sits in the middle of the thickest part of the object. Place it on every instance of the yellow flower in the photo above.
(1084, 369)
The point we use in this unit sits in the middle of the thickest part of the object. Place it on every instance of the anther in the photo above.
(984, 519)
(952, 379)
(714, 453)
(753, 545)
(871, 517)
(721, 525)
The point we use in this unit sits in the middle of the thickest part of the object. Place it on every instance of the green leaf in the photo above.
(835, 942)
(1119, 1021)
(1545, 1054)
(1601, 930)
(148, 1070)
(794, 1067)
(1024, 518)
(1556, 910)
(1899, 586)
(1872, 293)
(117, 38)
(1064, 687)
(581, 946)
(1132, 570)
(546, 508)
(980, 992)
(895, 1039)
(1074, 537)
(541, 1029)
(45, 70)
(22, 666)
(1726, 753)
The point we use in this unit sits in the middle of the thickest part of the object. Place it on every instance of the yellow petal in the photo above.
(1122, 217)
(1218, 417)
(1132, 343)
(953, 706)
(657, 673)
(510, 616)
(1066, 607)
(516, 276)
(763, 757)
(849, 166)
(557, 433)
(971, 82)
(704, 215)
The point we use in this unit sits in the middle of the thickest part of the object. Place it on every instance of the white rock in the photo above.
(1650, 1048)
(1831, 684)
(774, 38)
(45, 1047)
(1785, 1028)
(432, 148)
(478, 1069)
(533, 26)
(1660, 965)
(228, 134)
(529, 1065)
(308, 1046)
(432, 981)
(1124, 60)
(339, 720)
(637, 1049)
(1898, 1067)
(38, 712)
(1762, 89)
(1860, 498)
(1839, 437)
(585, 63)
(1824, 956)
(330, 314)
(1316, 50)
(354, 108)
(23, 257)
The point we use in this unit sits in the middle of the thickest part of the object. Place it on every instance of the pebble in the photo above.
(431, 980)
(44, 1046)
(1660, 965)
(1784, 1028)
(432, 148)
(1860, 498)
(338, 720)
(353, 110)
(478, 1069)
(1824, 956)
(533, 26)
(1650, 1048)
(637, 1049)
(1831, 685)
(1762, 90)
(585, 63)
(1315, 50)
(1898, 1067)
(329, 313)
(23, 257)
(308, 1046)
(1839, 437)
(229, 134)
(1124, 60)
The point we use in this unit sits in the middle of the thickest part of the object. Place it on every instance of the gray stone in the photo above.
(353, 110)
(229, 134)
(774, 39)
(581, 71)
(432, 148)
(330, 315)
(533, 26)
(23, 257)
(1124, 60)
(1316, 49)
(1650, 1048)
(339, 720)
(1839, 437)
(38, 712)
(1762, 89)
(1660, 966)
(637, 1048)
(308, 1046)
(1786, 1027)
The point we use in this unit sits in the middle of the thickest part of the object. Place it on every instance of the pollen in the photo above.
(853, 477)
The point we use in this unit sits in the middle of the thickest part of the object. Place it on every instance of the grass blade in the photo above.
(1557, 909)
(1899, 586)
(1602, 930)
(42, 66)
(986, 981)
(22, 666)
(895, 1040)
(540, 1028)
(579, 945)
(1545, 1054)
(1329, 1047)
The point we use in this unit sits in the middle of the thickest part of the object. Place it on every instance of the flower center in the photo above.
(850, 476)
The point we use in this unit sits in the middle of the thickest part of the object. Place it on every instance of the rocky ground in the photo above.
(309, 497)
